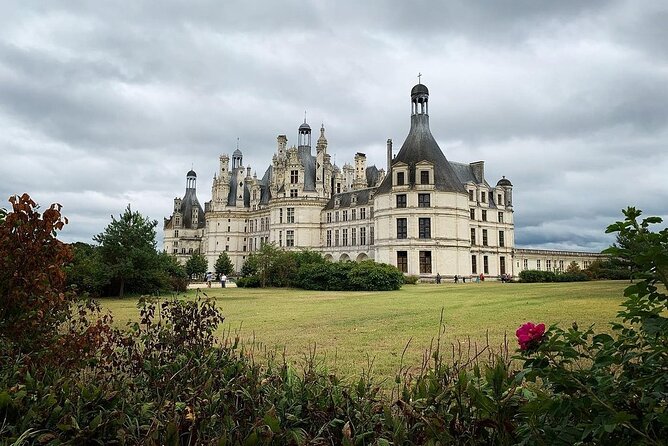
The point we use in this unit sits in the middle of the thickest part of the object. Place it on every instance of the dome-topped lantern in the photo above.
(237, 158)
(191, 179)
(504, 182)
(419, 99)
(304, 139)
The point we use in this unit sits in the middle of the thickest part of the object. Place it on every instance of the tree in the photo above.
(224, 264)
(573, 268)
(33, 301)
(196, 265)
(87, 271)
(128, 247)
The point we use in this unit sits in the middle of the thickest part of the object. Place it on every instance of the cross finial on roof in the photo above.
(304, 116)
(237, 143)
(419, 76)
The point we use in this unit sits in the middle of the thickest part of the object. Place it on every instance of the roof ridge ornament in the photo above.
(419, 76)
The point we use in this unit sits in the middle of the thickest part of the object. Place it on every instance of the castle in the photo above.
(424, 214)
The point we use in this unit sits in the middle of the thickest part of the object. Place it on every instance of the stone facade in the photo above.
(426, 216)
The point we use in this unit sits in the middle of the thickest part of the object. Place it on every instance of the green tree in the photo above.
(573, 268)
(224, 264)
(128, 247)
(87, 271)
(196, 265)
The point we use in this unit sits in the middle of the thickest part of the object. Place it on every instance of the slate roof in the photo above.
(371, 176)
(420, 145)
(308, 161)
(363, 198)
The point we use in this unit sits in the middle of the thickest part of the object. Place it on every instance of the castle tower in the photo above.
(360, 171)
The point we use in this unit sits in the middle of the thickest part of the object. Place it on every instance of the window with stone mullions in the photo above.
(424, 177)
(484, 237)
(424, 200)
(401, 200)
(345, 237)
(294, 176)
(425, 262)
(289, 238)
(362, 236)
(402, 261)
(424, 227)
(291, 215)
(402, 228)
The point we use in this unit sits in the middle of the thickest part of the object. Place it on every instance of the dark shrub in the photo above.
(534, 276)
(371, 276)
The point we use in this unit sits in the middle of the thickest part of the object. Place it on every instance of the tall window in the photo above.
(362, 236)
(484, 215)
(176, 233)
(483, 196)
(294, 176)
(502, 241)
(289, 238)
(499, 199)
(538, 265)
(280, 238)
(424, 225)
(371, 239)
(502, 264)
(402, 261)
(280, 215)
(336, 238)
(424, 177)
(471, 192)
(425, 262)
(474, 265)
(484, 237)
(363, 213)
(485, 264)
(353, 236)
(353, 214)
(336, 216)
(561, 265)
(345, 215)
(345, 237)
(401, 200)
(472, 236)
(424, 200)
(400, 178)
(472, 214)
(329, 237)
(402, 228)
(525, 264)
(291, 215)
(500, 217)
(548, 265)
(329, 217)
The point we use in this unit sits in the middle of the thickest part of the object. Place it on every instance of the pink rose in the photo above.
(529, 335)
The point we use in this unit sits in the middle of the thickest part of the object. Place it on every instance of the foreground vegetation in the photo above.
(167, 380)
(348, 329)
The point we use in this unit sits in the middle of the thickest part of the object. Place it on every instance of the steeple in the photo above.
(321, 144)
(304, 139)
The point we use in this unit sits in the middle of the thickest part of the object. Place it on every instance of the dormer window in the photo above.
(471, 195)
(424, 177)
(294, 176)
(353, 198)
(401, 178)
(337, 201)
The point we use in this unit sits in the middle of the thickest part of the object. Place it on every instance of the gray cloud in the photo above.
(104, 104)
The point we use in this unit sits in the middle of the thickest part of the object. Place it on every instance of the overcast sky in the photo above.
(108, 103)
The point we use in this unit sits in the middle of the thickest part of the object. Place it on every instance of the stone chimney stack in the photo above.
(389, 154)
(478, 170)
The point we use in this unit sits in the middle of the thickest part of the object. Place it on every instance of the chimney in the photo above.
(389, 155)
(478, 168)
(248, 170)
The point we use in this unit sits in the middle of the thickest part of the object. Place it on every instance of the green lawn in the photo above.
(348, 328)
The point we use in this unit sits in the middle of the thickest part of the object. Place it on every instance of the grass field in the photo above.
(349, 328)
